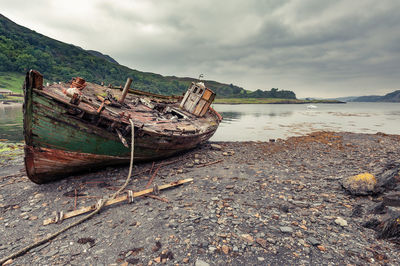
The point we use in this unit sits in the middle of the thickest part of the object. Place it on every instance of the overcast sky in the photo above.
(317, 48)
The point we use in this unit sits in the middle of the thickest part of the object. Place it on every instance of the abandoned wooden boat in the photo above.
(79, 126)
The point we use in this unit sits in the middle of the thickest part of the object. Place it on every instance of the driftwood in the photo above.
(116, 200)
(210, 163)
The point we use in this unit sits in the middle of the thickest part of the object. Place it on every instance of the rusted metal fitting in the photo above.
(79, 83)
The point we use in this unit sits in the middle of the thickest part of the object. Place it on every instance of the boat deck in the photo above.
(162, 116)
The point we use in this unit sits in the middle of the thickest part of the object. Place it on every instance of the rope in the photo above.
(100, 204)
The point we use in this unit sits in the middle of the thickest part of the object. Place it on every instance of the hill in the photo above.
(22, 49)
(104, 56)
(390, 97)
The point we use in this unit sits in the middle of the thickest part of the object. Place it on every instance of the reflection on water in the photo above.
(11, 122)
(261, 122)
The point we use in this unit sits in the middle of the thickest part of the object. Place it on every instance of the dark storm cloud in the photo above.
(316, 48)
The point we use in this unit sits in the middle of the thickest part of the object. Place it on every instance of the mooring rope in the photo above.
(100, 204)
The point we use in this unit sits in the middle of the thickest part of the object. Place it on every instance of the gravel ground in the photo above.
(251, 203)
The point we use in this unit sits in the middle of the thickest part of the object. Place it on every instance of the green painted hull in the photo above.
(59, 143)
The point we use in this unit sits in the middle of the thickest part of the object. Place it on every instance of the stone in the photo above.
(340, 221)
(262, 242)
(260, 258)
(216, 147)
(361, 184)
(248, 238)
(313, 241)
(286, 229)
(225, 249)
(392, 199)
(201, 263)
(212, 249)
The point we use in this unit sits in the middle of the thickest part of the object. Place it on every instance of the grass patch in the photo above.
(12, 81)
(9, 151)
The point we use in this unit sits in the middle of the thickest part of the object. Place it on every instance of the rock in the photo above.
(387, 179)
(248, 238)
(313, 241)
(357, 211)
(286, 229)
(262, 242)
(340, 221)
(216, 147)
(362, 184)
(321, 247)
(201, 263)
(378, 208)
(372, 224)
(212, 249)
(390, 227)
(225, 249)
(260, 259)
(392, 199)
(26, 209)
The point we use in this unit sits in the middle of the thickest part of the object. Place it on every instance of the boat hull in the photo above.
(59, 143)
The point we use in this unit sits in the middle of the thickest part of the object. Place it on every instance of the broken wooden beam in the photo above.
(125, 91)
(126, 197)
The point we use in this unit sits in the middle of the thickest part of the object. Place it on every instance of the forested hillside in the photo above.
(390, 97)
(22, 49)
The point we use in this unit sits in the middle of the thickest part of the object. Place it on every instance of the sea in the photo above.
(264, 122)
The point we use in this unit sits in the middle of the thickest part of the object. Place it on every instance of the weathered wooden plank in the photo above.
(117, 200)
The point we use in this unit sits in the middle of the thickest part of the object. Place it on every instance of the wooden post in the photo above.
(125, 91)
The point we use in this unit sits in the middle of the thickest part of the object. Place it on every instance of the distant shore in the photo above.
(270, 101)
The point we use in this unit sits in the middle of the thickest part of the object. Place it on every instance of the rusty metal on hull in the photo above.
(70, 129)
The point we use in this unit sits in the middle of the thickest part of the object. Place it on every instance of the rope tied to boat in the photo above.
(99, 205)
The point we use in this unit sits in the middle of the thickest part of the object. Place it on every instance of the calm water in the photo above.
(269, 121)
(261, 122)
(11, 122)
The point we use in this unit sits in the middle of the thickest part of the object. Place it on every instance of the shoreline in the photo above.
(5, 103)
(250, 203)
(272, 101)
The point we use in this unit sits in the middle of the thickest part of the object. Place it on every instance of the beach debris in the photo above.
(209, 163)
(128, 197)
(361, 184)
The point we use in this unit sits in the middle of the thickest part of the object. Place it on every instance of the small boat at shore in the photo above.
(81, 126)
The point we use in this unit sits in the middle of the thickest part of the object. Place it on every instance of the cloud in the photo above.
(316, 48)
